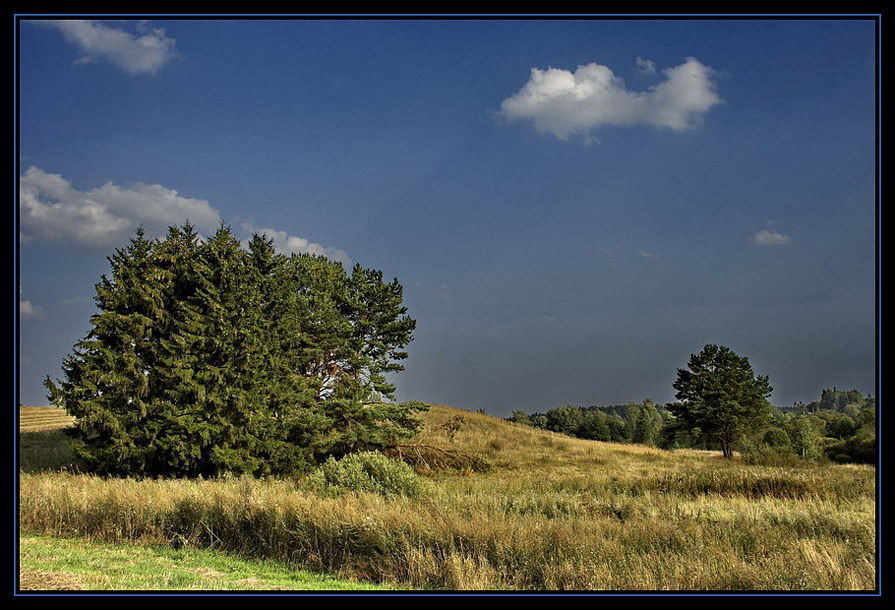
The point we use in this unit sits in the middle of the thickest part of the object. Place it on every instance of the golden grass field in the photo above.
(32, 419)
(553, 513)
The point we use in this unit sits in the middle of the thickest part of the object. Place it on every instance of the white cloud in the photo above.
(28, 311)
(145, 53)
(289, 244)
(564, 103)
(769, 237)
(52, 210)
(645, 66)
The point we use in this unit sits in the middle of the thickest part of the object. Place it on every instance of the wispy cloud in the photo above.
(289, 244)
(564, 103)
(28, 310)
(145, 52)
(52, 210)
(645, 66)
(769, 237)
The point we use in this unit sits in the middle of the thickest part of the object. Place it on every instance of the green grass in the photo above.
(43, 450)
(67, 564)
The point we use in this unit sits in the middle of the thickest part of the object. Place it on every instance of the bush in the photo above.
(773, 453)
(370, 472)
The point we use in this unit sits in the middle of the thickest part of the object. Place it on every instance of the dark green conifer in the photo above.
(107, 383)
(207, 358)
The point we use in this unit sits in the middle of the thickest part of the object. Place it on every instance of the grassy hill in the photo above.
(551, 513)
(32, 419)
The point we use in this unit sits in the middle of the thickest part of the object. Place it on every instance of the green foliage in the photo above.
(595, 426)
(832, 399)
(205, 357)
(845, 423)
(539, 420)
(766, 455)
(805, 433)
(777, 437)
(721, 396)
(520, 417)
(642, 423)
(646, 423)
(565, 420)
(369, 472)
(860, 448)
(838, 424)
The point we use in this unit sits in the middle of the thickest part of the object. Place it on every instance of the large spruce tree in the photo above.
(205, 357)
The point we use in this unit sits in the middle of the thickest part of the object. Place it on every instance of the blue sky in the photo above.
(573, 206)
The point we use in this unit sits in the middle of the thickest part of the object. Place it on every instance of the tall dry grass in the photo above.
(553, 513)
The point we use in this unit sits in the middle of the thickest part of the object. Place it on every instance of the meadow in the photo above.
(550, 513)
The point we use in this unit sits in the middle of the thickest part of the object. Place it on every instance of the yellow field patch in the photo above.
(32, 419)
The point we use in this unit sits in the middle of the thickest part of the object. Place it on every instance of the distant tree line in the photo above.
(840, 426)
(632, 423)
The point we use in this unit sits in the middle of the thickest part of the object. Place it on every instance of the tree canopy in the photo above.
(207, 357)
(721, 396)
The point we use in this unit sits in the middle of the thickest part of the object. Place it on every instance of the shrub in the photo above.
(770, 452)
(370, 472)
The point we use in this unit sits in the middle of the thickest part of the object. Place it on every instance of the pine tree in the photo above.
(207, 358)
(721, 396)
(108, 384)
(290, 396)
(381, 328)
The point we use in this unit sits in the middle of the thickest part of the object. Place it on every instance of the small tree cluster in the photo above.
(723, 404)
(207, 357)
(632, 423)
(841, 426)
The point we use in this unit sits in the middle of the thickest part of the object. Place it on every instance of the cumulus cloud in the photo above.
(292, 244)
(769, 237)
(144, 53)
(28, 310)
(564, 103)
(52, 210)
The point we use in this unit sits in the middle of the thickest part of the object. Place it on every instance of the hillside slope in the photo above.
(43, 418)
